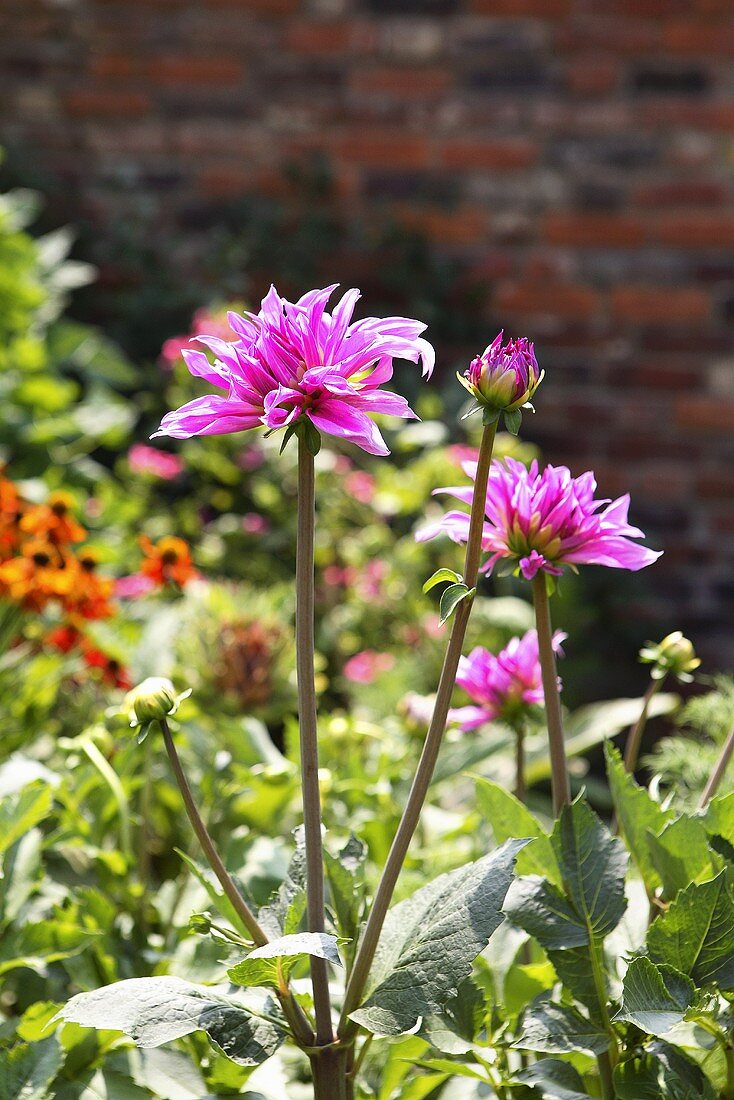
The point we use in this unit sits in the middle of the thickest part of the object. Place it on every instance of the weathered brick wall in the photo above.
(579, 153)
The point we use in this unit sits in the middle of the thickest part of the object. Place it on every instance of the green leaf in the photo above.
(20, 812)
(682, 855)
(638, 815)
(45, 941)
(696, 934)
(510, 818)
(655, 998)
(28, 1070)
(661, 1074)
(209, 881)
(441, 576)
(261, 967)
(430, 941)
(450, 600)
(718, 818)
(282, 915)
(560, 1029)
(574, 968)
(153, 1011)
(513, 420)
(542, 910)
(345, 876)
(555, 1079)
(593, 866)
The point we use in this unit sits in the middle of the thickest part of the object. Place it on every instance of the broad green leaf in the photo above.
(153, 1011)
(453, 1030)
(22, 811)
(543, 911)
(345, 876)
(574, 968)
(28, 1070)
(450, 600)
(718, 817)
(593, 866)
(510, 818)
(638, 815)
(46, 941)
(263, 965)
(556, 1080)
(430, 940)
(681, 855)
(655, 998)
(661, 1074)
(560, 1029)
(282, 915)
(441, 576)
(22, 869)
(696, 934)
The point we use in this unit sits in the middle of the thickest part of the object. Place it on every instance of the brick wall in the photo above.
(578, 153)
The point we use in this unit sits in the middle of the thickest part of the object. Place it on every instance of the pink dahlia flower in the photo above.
(365, 667)
(295, 360)
(504, 378)
(502, 686)
(543, 521)
(148, 460)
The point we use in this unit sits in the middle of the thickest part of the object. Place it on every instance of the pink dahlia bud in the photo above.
(503, 380)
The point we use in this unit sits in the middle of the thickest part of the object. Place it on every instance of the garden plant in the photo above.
(242, 859)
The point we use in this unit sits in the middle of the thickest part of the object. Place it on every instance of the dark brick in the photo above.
(670, 80)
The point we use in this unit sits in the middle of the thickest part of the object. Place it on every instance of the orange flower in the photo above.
(64, 638)
(54, 520)
(35, 577)
(112, 672)
(11, 509)
(89, 594)
(168, 561)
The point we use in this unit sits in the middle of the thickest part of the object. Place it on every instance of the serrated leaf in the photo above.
(593, 865)
(153, 1011)
(440, 577)
(284, 910)
(696, 934)
(661, 1074)
(430, 940)
(27, 1070)
(450, 600)
(542, 910)
(681, 855)
(555, 1079)
(560, 1029)
(509, 818)
(345, 876)
(718, 818)
(261, 967)
(655, 998)
(638, 815)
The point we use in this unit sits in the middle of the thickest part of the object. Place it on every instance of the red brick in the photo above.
(403, 83)
(715, 486)
(491, 156)
(547, 299)
(384, 149)
(87, 103)
(701, 116)
(691, 38)
(696, 231)
(594, 230)
(199, 71)
(705, 413)
(660, 305)
(271, 8)
(592, 75)
(681, 193)
(464, 225)
(316, 38)
(224, 182)
(518, 9)
(113, 66)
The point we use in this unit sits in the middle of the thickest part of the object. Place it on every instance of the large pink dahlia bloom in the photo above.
(502, 685)
(293, 360)
(543, 521)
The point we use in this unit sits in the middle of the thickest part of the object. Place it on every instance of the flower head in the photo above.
(167, 561)
(544, 521)
(503, 686)
(503, 379)
(294, 363)
(674, 654)
(54, 520)
(153, 699)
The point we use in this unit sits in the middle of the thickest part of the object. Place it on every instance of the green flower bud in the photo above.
(674, 654)
(151, 701)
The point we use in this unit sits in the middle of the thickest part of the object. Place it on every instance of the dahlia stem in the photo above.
(718, 773)
(520, 791)
(556, 745)
(634, 737)
(424, 772)
(309, 734)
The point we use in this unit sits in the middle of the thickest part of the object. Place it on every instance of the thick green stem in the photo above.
(292, 1010)
(556, 745)
(426, 765)
(634, 737)
(520, 763)
(608, 1059)
(718, 773)
(309, 734)
(329, 1073)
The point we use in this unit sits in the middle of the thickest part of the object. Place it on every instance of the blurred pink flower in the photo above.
(295, 360)
(369, 581)
(255, 524)
(251, 458)
(502, 685)
(364, 667)
(543, 521)
(337, 577)
(361, 486)
(149, 460)
(133, 586)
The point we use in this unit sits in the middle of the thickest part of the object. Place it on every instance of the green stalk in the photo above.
(118, 793)
(718, 773)
(309, 735)
(556, 744)
(520, 790)
(634, 737)
(422, 779)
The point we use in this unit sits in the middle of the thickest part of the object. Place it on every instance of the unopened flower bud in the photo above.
(675, 654)
(154, 699)
(503, 379)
